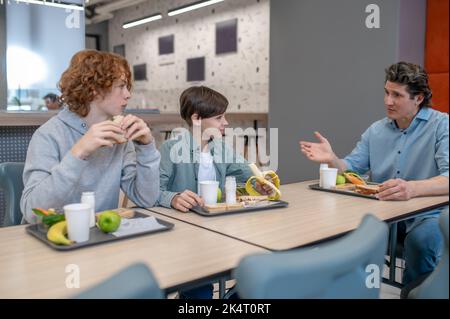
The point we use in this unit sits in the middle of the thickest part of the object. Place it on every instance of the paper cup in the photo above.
(78, 217)
(328, 177)
(208, 190)
(322, 166)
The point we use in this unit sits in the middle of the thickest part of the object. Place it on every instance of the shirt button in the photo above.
(398, 172)
(399, 152)
(83, 125)
(404, 133)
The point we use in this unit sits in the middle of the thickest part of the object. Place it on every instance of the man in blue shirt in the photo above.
(407, 152)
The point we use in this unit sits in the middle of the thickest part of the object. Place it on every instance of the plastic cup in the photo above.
(322, 166)
(328, 177)
(208, 190)
(78, 217)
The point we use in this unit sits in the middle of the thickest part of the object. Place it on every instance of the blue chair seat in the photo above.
(348, 267)
(11, 182)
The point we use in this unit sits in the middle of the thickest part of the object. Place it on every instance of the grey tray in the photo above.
(275, 204)
(96, 236)
(340, 191)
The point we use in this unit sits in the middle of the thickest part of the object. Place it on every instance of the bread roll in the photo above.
(118, 120)
(367, 189)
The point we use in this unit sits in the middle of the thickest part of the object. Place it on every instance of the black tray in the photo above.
(96, 236)
(341, 191)
(275, 204)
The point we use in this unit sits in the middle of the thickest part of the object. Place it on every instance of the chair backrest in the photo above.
(348, 267)
(11, 183)
(134, 282)
(436, 284)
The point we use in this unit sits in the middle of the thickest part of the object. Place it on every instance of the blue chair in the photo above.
(435, 286)
(348, 267)
(11, 183)
(134, 282)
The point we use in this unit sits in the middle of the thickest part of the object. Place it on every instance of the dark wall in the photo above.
(327, 73)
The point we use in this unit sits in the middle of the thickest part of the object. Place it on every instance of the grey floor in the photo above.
(389, 292)
(386, 291)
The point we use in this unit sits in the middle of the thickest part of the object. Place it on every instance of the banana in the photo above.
(57, 234)
(260, 178)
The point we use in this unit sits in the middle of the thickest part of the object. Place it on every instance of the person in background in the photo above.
(407, 152)
(81, 149)
(52, 101)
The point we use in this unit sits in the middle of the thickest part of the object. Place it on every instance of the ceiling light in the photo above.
(54, 4)
(192, 6)
(130, 24)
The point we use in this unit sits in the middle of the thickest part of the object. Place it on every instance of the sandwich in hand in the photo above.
(367, 189)
(118, 119)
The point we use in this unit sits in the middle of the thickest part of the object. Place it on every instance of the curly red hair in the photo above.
(91, 73)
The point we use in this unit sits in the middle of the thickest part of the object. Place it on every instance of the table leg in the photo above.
(222, 287)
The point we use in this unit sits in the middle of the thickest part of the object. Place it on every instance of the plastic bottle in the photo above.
(89, 198)
(230, 190)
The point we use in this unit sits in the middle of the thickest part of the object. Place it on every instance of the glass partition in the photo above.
(41, 39)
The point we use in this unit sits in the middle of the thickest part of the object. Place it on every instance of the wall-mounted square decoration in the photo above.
(196, 69)
(119, 49)
(226, 36)
(92, 41)
(140, 72)
(166, 44)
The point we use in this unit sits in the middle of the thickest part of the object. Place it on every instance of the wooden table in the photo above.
(312, 216)
(182, 257)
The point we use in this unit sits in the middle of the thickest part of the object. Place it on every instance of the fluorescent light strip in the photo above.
(141, 21)
(194, 6)
(53, 4)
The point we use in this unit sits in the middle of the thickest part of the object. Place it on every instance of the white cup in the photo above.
(78, 217)
(328, 177)
(322, 166)
(208, 190)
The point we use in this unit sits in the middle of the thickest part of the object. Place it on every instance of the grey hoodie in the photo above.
(53, 177)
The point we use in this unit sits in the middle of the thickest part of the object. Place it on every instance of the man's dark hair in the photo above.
(201, 100)
(52, 97)
(414, 77)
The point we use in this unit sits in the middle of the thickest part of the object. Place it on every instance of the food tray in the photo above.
(272, 205)
(96, 236)
(342, 191)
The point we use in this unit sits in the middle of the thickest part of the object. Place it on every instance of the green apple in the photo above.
(109, 221)
(219, 195)
(340, 179)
